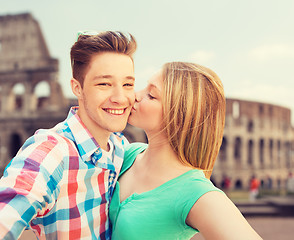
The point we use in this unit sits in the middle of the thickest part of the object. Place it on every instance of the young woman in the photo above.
(164, 191)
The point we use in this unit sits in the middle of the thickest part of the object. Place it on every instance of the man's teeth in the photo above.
(115, 111)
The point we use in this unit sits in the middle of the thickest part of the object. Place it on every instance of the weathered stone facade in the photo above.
(25, 67)
(258, 140)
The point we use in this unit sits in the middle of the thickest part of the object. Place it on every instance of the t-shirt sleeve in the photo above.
(131, 152)
(189, 194)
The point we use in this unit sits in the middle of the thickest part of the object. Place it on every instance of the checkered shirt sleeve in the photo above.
(53, 187)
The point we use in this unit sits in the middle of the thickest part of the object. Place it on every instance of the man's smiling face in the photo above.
(107, 95)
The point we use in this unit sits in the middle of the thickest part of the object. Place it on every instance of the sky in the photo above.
(249, 44)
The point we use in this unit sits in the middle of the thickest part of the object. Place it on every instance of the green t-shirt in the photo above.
(159, 213)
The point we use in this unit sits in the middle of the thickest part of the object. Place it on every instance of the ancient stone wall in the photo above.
(30, 94)
(258, 140)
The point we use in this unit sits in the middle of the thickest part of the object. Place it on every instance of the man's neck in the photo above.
(100, 135)
(103, 142)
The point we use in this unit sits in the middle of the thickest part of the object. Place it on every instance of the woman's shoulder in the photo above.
(131, 152)
(134, 147)
(196, 184)
(189, 190)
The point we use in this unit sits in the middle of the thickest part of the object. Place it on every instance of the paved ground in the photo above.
(271, 217)
(269, 228)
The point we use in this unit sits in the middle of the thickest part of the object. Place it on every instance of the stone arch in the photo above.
(238, 184)
(236, 110)
(223, 150)
(288, 154)
(16, 97)
(3, 150)
(237, 149)
(42, 89)
(261, 151)
(15, 142)
(1, 96)
(271, 152)
(41, 96)
(292, 150)
(250, 152)
(261, 109)
(250, 126)
(279, 152)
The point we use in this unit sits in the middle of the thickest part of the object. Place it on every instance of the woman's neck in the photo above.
(160, 155)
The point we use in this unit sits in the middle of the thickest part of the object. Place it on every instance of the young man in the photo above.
(61, 181)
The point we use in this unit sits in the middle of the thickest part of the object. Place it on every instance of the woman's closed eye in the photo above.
(129, 85)
(150, 96)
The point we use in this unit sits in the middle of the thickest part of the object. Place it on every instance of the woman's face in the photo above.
(147, 111)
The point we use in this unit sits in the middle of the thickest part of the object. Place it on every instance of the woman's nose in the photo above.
(138, 96)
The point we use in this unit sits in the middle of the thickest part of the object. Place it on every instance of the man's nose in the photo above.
(118, 95)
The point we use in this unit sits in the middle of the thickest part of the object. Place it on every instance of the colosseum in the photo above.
(258, 138)
(25, 67)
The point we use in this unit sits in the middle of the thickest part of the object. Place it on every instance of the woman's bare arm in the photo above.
(217, 218)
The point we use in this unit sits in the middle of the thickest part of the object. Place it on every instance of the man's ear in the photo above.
(76, 88)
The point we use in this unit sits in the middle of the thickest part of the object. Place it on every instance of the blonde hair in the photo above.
(194, 113)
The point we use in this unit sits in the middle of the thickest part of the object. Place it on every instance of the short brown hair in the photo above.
(88, 45)
(194, 107)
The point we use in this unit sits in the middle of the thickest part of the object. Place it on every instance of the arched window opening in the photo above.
(236, 110)
(1, 94)
(250, 152)
(261, 109)
(237, 149)
(238, 184)
(250, 126)
(292, 152)
(42, 93)
(18, 92)
(42, 89)
(271, 151)
(261, 152)
(15, 144)
(279, 151)
(18, 89)
(288, 154)
(16, 66)
(223, 150)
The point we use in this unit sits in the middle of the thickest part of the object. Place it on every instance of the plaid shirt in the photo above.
(60, 184)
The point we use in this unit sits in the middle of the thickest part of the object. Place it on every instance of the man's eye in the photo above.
(103, 84)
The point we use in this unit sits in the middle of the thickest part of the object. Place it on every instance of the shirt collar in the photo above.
(85, 142)
(87, 145)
